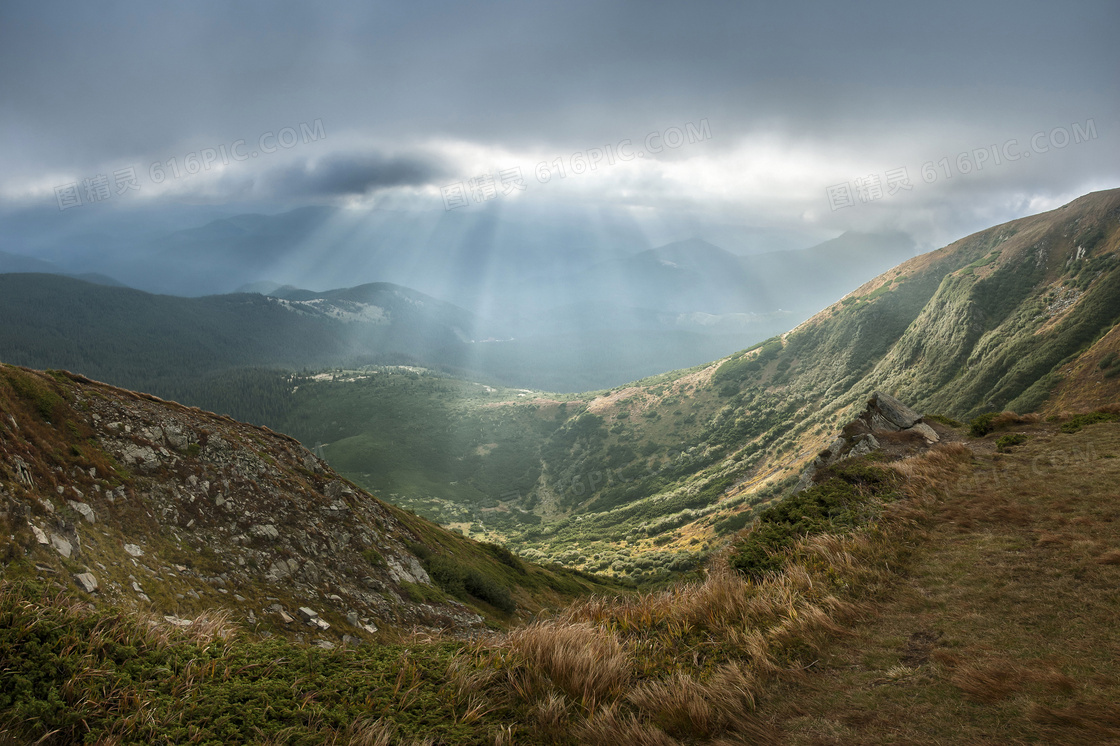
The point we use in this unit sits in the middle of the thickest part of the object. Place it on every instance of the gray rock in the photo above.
(23, 471)
(61, 545)
(837, 447)
(894, 412)
(84, 510)
(863, 448)
(40, 535)
(86, 581)
(927, 432)
(142, 456)
(265, 531)
(406, 568)
(806, 480)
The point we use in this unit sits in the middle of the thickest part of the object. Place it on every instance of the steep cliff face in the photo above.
(141, 502)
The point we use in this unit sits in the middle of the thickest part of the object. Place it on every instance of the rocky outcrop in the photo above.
(178, 511)
(883, 414)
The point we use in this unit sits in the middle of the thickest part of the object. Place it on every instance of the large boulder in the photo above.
(884, 413)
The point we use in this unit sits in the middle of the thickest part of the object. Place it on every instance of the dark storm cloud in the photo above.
(854, 87)
(350, 174)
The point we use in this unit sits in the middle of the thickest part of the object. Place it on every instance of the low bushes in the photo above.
(838, 502)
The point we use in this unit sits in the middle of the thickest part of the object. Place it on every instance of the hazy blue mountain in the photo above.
(20, 264)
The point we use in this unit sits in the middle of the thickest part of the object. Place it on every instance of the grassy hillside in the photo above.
(643, 480)
(178, 512)
(878, 631)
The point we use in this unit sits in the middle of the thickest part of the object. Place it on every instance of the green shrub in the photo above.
(733, 523)
(503, 555)
(1081, 420)
(447, 573)
(1003, 445)
(489, 590)
(450, 575)
(982, 425)
(836, 503)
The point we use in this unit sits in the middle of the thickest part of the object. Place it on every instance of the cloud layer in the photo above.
(799, 97)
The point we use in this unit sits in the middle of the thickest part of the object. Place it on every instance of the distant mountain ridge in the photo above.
(20, 264)
(1022, 316)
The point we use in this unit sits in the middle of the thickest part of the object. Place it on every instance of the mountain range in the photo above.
(1020, 316)
(612, 321)
(161, 560)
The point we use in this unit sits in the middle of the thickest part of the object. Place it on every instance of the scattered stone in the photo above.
(278, 571)
(928, 432)
(61, 545)
(266, 531)
(23, 471)
(86, 581)
(40, 535)
(84, 510)
(883, 414)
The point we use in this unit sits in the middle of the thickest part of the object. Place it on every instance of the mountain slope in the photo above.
(157, 506)
(154, 342)
(660, 469)
(963, 601)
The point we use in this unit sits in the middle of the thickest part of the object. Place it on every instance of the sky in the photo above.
(937, 119)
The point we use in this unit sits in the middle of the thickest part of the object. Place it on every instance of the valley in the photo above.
(644, 480)
(678, 558)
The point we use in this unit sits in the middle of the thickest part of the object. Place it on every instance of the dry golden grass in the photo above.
(692, 663)
(1000, 626)
(586, 663)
